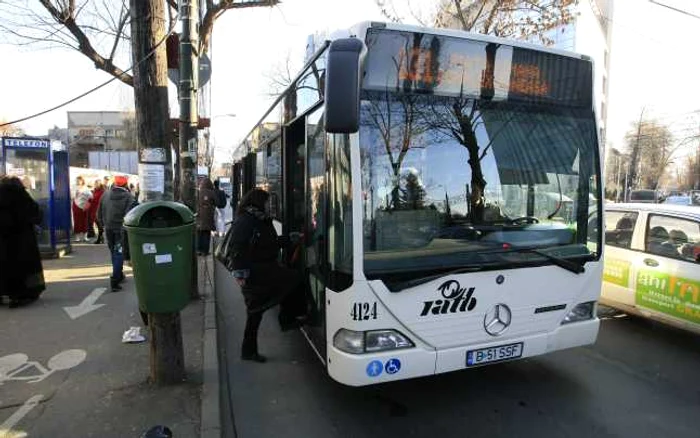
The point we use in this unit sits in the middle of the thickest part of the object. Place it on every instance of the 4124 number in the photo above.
(364, 311)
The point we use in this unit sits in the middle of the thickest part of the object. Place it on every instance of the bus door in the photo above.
(248, 172)
(316, 225)
(236, 186)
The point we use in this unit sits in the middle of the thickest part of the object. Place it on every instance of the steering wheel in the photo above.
(526, 219)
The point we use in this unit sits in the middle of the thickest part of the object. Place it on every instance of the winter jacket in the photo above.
(114, 205)
(255, 248)
(254, 242)
(21, 273)
(95, 203)
(206, 206)
(221, 197)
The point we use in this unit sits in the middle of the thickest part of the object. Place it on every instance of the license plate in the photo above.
(494, 354)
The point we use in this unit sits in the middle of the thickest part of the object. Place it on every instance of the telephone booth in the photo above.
(42, 165)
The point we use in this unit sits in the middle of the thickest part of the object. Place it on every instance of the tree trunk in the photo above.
(167, 359)
(151, 93)
(152, 125)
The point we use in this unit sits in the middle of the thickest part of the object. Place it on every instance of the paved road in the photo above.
(639, 380)
(86, 382)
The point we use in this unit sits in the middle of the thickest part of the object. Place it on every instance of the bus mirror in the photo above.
(342, 97)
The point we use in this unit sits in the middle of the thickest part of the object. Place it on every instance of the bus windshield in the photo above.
(451, 182)
(475, 155)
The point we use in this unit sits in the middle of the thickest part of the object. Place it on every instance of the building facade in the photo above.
(99, 131)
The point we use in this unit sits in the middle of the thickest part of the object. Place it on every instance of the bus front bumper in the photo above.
(370, 369)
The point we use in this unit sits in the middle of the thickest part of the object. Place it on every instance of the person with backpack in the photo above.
(221, 198)
(264, 282)
(114, 205)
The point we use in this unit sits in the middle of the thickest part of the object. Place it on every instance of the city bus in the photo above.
(447, 188)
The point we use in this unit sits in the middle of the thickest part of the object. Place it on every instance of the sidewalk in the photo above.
(87, 383)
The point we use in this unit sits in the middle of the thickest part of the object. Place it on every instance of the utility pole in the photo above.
(634, 158)
(189, 82)
(155, 158)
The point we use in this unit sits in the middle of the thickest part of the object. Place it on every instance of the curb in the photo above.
(210, 426)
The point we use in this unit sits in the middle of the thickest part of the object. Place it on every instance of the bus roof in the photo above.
(360, 29)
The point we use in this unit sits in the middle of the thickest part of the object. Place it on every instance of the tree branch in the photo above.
(84, 45)
(207, 26)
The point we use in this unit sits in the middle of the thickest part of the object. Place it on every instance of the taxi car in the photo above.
(652, 262)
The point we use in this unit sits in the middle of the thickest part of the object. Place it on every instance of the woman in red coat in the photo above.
(97, 193)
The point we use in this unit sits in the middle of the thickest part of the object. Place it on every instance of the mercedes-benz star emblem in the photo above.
(497, 320)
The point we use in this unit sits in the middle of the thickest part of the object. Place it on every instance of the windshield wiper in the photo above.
(396, 286)
(559, 261)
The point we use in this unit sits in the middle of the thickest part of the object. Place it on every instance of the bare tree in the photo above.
(531, 19)
(95, 28)
(9, 130)
(655, 148)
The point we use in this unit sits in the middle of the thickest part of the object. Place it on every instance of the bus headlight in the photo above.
(349, 341)
(580, 312)
(382, 340)
(372, 341)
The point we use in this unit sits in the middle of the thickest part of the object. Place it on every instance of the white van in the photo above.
(652, 262)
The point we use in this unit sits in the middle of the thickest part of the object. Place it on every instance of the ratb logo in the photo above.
(456, 299)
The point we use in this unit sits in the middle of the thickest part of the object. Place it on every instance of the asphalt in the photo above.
(638, 380)
(95, 386)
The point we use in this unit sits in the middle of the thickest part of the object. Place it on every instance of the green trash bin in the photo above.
(160, 242)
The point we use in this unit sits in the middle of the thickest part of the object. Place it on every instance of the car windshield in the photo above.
(450, 182)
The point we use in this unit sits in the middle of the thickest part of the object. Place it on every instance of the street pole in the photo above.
(635, 151)
(152, 115)
(189, 82)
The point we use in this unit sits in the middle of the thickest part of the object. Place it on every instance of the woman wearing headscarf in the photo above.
(255, 248)
(81, 206)
(21, 273)
(206, 214)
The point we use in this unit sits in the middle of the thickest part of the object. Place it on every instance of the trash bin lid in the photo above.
(143, 214)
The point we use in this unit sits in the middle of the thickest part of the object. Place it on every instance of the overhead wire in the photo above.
(104, 84)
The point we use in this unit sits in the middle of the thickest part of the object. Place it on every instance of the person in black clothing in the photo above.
(114, 205)
(264, 282)
(220, 202)
(21, 272)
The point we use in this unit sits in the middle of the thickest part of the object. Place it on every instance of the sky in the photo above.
(654, 66)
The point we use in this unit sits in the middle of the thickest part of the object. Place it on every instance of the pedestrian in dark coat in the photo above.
(114, 205)
(21, 272)
(206, 215)
(264, 283)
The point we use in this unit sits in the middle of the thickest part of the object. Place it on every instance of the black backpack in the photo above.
(220, 199)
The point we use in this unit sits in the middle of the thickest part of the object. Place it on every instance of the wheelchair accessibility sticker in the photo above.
(392, 366)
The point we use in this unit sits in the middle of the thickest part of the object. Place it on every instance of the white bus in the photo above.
(414, 161)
